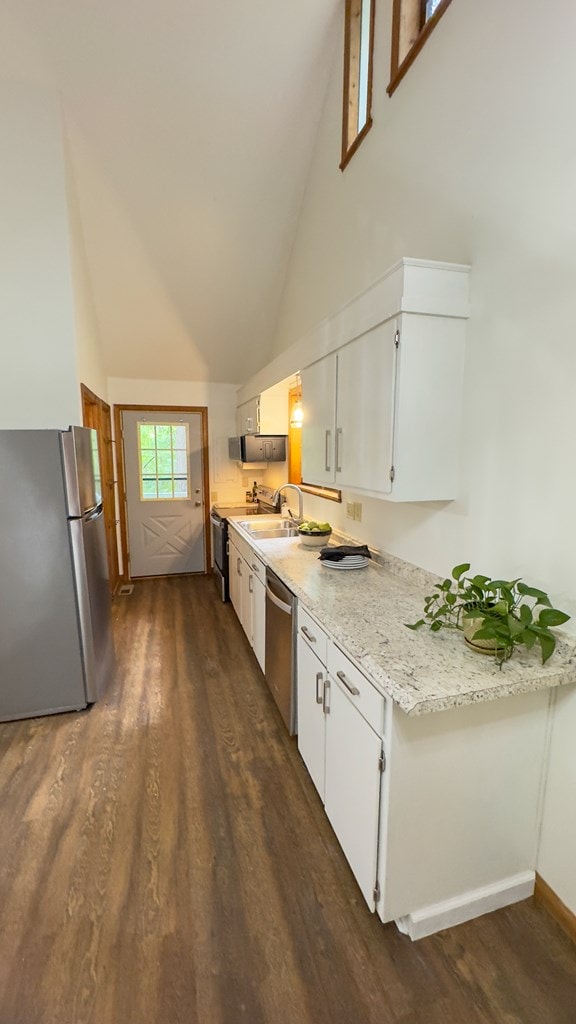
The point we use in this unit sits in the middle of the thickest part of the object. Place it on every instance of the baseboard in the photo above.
(553, 904)
(469, 905)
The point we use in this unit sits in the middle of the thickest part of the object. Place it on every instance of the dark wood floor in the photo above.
(165, 859)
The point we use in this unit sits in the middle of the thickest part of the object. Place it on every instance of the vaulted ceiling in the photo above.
(190, 128)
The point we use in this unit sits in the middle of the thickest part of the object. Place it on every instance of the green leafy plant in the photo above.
(509, 613)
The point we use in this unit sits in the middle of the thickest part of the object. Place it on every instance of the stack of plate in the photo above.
(348, 562)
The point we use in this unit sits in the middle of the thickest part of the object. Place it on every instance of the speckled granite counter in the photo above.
(365, 612)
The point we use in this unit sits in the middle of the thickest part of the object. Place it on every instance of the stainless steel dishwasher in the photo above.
(280, 647)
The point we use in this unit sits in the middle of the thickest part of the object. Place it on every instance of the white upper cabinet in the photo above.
(248, 417)
(365, 411)
(265, 414)
(382, 411)
(319, 425)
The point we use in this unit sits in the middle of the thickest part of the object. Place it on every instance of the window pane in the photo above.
(149, 489)
(147, 435)
(163, 454)
(179, 437)
(163, 436)
(164, 488)
(165, 463)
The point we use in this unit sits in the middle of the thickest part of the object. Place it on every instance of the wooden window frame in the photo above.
(413, 12)
(352, 36)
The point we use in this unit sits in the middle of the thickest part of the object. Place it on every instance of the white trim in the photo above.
(467, 906)
(410, 286)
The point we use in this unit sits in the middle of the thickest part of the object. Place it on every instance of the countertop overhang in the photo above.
(366, 611)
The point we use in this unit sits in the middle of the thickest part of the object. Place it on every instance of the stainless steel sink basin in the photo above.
(271, 529)
(272, 534)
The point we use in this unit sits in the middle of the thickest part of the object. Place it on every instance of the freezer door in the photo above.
(90, 566)
(81, 470)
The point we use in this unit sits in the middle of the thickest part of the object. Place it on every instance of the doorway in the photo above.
(165, 511)
(96, 414)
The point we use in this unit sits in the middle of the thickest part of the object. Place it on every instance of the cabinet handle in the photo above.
(327, 451)
(349, 686)
(238, 566)
(250, 582)
(308, 635)
(319, 692)
(338, 451)
(325, 696)
(255, 567)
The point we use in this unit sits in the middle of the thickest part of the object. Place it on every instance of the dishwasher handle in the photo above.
(287, 608)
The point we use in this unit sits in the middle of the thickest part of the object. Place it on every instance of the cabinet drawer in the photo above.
(370, 703)
(312, 634)
(247, 551)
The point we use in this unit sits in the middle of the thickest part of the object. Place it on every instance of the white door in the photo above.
(311, 678)
(259, 619)
(364, 427)
(235, 579)
(163, 460)
(319, 421)
(352, 787)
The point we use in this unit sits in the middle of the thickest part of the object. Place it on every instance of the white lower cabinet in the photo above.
(341, 750)
(312, 680)
(248, 593)
(438, 814)
(352, 786)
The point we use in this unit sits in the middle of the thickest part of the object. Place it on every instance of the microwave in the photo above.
(258, 448)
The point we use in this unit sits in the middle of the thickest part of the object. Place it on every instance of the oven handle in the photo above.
(217, 522)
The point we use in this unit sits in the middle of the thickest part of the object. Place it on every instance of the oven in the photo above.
(219, 528)
(219, 516)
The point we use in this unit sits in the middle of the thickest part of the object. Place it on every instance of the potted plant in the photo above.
(495, 615)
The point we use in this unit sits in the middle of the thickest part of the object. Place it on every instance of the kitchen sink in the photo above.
(270, 530)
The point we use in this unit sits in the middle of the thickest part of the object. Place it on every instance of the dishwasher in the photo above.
(281, 647)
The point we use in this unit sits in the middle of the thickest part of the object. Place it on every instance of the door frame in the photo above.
(119, 435)
(96, 413)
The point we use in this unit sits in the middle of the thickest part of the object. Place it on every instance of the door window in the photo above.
(163, 460)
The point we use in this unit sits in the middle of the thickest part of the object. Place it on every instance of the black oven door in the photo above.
(219, 528)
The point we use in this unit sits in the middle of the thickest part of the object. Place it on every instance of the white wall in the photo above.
(226, 483)
(90, 364)
(38, 380)
(472, 160)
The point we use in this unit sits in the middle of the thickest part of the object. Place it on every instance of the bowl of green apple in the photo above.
(313, 534)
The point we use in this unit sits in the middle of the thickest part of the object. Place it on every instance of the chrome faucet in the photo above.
(294, 487)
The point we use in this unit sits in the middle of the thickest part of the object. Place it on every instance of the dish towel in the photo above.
(336, 554)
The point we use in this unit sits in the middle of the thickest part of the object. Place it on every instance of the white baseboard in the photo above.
(474, 903)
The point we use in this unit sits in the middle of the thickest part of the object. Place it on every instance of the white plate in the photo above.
(344, 565)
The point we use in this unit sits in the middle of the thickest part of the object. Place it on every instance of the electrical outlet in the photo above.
(350, 510)
(358, 511)
(213, 495)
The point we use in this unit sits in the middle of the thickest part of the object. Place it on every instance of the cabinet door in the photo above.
(246, 585)
(258, 617)
(235, 568)
(352, 787)
(319, 423)
(365, 410)
(247, 417)
(311, 679)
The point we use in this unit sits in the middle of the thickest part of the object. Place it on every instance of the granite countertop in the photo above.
(365, 611)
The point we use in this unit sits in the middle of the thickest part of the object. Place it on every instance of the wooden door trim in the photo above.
(103, 418)
(187, 410)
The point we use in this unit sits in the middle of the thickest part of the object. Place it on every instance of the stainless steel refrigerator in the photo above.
(56, 648)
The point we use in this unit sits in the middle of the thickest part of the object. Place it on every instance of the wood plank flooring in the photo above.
(165, 859)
